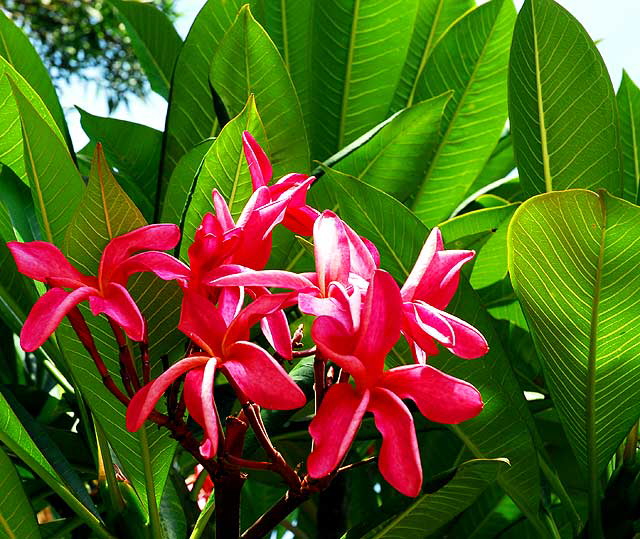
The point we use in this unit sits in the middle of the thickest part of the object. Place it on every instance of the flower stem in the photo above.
(154, 516)
(269, 520)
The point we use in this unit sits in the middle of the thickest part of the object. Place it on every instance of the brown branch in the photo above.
(127, 368)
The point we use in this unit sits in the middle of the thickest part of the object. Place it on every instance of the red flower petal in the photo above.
(259, 165)
(210, 446)
(331, 249)
(399, 459)
(144, 401)
(117, 303)
(271, 278)
(336, 343)
(47, 313)
(151, 237)
(334, 427)
(261, 378)
(44, 262)
(275, 328)
(439, 397)
(222, 211)
(161, 264)
(202, 323)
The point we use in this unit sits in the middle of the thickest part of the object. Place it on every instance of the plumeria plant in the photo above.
(335, 297)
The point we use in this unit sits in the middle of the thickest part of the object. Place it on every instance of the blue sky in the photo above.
(614, 23)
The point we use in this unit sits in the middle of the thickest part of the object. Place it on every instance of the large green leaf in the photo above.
(133, 149)
(476, 114)
(504, 426)
(398, 154)
(290, 26)
(11, 149)
(154, 40)
(18, 51)
(432, 21)
(191, 117)
(17, 518)
(55, 182)
(104, 213)
(429, 512)
(501, 162)
(181, 180)
(225, 169)
(573, 262)
(359, 49)
(561, 104)
(14, 435)
(247, 62)
(628, 99)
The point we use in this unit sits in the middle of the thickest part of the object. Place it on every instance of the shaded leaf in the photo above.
(154, 40)
(134, 150)
(248, 63)
(191, 117)
(564, 134)
(17, 518)
(476, 114)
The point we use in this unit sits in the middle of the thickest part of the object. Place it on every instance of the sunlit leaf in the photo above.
(475, 115)
(628, 99)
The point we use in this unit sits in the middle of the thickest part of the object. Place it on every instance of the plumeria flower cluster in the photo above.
(360, 313)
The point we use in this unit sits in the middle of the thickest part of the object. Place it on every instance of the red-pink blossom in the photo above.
(106, 293)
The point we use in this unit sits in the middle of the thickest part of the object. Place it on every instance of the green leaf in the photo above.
(290, 26)
(191, 117)
(476, 115)
(55, 182)
(432, 21)
(561, 104)
(359, 49)
(504, 427)
(399, 152)
(17, 518)
(104, 213)
(134, 150)
(16, 198)
(181, 181)
(429, 512)
(489, 225)
(247, 62)
(573, 264)
(501, 163)
(154, 40)
(18, 51)
(17, 439)
(225, 169)
(11, 149)
(628, 99)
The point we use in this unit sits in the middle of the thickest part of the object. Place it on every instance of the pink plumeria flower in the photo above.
(299, 217)
(106, 293)
(344, 264)
(226, 348)
(428, 290)
(438, 396)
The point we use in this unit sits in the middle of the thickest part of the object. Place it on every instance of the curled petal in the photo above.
(259, 165)
(462, 338)
(222, 211)
(163, 265)
(192, 390)
(399, 459)
(158, 237)
(230, 302)
(261, 378)
(44, 262)
(336, 343)
(362, 262)
(334, 427)
(331, 249)
(275, 328)
(439, 397)
(47, 313)
(210, 446)
(117, 303)
(270, 278)
(144, 401)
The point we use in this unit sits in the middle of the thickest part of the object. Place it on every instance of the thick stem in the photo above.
(228, 486)
(269, 520)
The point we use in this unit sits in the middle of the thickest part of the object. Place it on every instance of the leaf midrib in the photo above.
(36, 179)
(635, 145)
(347, 77)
